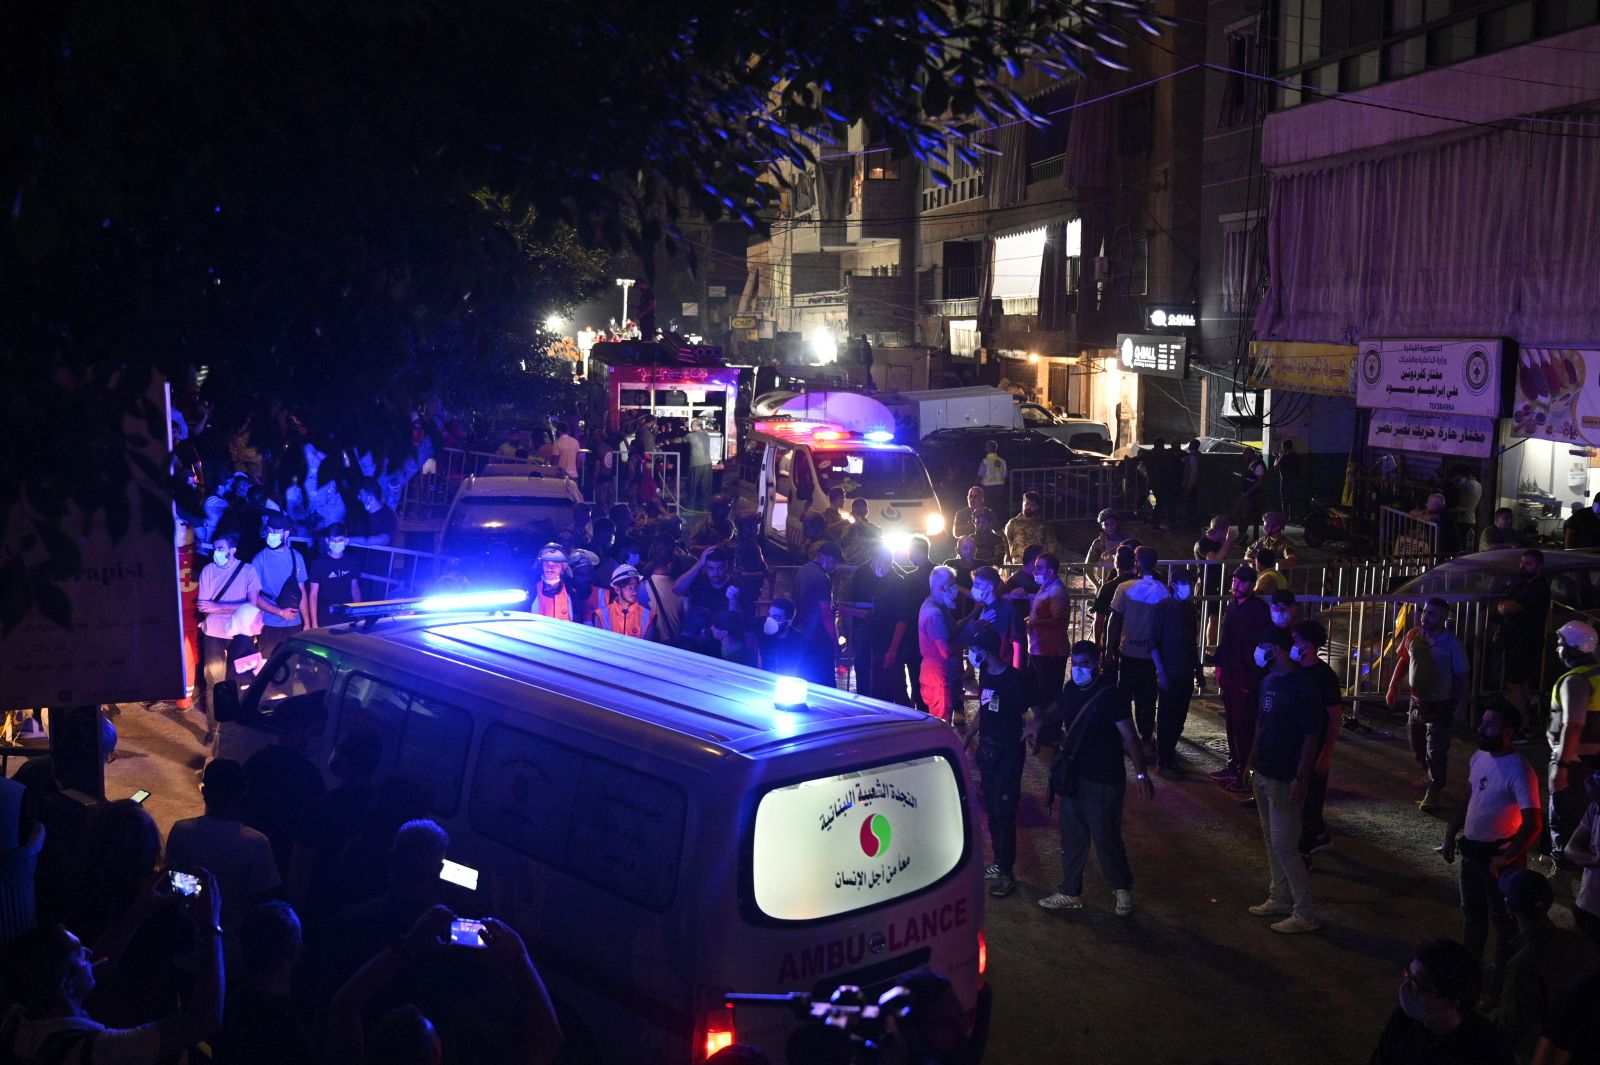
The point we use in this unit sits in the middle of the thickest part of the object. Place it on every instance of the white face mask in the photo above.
(1263, 657)
(274, 539)
(1295, 655)
(771, 626)
(335, 549)
(1082, 676)
(1182, 591)
(1280, 618)
(976, 661)
(220, 557)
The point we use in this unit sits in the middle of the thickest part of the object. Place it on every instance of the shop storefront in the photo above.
(1550, 446)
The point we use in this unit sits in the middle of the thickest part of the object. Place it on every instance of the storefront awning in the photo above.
(1302, 366)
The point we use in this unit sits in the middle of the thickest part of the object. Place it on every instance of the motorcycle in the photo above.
(1332, 523)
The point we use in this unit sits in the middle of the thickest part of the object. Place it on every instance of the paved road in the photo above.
(1190, 977)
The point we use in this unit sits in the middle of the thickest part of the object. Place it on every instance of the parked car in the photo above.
(952, 457)
(1364, 633)
(1080, 434)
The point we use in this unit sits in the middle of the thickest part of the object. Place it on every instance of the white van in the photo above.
(801, 462)
(520, 507)
(660, 830)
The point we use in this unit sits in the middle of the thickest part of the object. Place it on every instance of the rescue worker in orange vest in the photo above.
(550, 595)
(622, 611)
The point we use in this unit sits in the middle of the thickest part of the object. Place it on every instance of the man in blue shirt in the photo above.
(282, 571)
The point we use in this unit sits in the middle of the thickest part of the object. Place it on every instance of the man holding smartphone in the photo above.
(51, 973)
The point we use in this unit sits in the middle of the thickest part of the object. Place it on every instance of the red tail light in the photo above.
(718, 1029)
(983, 953)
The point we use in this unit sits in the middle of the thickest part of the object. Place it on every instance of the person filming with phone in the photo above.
(49, 974)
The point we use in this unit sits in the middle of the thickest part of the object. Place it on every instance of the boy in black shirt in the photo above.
(332, 578)
(1004, 696)
(1309, 637)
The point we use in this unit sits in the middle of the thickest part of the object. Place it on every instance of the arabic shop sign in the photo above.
(1430, 376)
(840, 843)
(1159, 356)
(1302, 366)
(1558, 396)
(1435, 434)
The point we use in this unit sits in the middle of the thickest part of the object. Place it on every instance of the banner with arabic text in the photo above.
(1435, 434)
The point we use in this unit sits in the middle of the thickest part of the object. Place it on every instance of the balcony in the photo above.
(958, 191)
(1046, 169)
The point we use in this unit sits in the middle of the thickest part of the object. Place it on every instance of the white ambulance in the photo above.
(662, 828)
(820, 441)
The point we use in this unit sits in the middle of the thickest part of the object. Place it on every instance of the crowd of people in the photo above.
(289, 923)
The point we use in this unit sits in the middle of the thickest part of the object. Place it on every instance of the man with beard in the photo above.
(1434, 667)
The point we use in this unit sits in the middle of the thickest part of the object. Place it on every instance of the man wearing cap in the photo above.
(1238, 677)
(1497, 824)
(1176, 655)
(1104, 547)
(1289, 726)
(621, 611)
(1273, 539)
(1546, 962)
(550, 596)
(1434, 667)
(1574, 729)
(813, 621)
(281, 571)
(1280, 606)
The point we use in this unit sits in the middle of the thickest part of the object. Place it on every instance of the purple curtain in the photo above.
(1488, 235)
(1088, 161)
(1005, 176)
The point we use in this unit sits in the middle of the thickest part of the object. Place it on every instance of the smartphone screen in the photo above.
(183, 883)
(456, 873)
(465, 932)
(140, 796)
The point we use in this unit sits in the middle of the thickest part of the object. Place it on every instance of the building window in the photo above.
(1243, 93)
(881, 168)
(1136, 122)
(1242, 263)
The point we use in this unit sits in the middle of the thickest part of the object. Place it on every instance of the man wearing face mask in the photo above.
(225, 585)
(1497, 824)
(1289, 726)
(1436, 1021)
(1574, 730)
(282, 571)
(1004, 695)
(941, 661)
(1176, 656)
(332, 578)
(1094, 719)
(993, 613)
(880, 617)
(782, 650)
(1280, 607)
(1433, 665)
(1309, 637)
(1238, 676)
(1046, 625)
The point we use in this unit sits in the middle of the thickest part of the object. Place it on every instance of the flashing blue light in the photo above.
(880, 436)
(789, 692)
(435, 604)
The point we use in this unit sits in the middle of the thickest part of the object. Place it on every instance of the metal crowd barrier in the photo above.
(667, 466)
(1401, 535)
(400, 571)
(1066, 493)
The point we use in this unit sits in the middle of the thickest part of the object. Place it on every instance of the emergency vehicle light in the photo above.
(880, 436)
(789, 691)
(453, 602)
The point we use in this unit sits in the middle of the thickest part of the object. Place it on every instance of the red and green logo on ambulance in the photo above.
(875, 835)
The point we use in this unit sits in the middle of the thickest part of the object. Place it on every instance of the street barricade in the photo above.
(1401, 535)
(1066, 493)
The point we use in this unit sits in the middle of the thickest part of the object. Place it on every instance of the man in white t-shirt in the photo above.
(1132, 635)
(50, 974)
(238, 856)
(567, 448)
(1501, 818)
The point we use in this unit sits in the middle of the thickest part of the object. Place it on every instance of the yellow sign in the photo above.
(743, 321)
(1302, 366)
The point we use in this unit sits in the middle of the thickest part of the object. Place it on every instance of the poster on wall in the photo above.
(1434, 434)
(1433, 376)
(1551, 401)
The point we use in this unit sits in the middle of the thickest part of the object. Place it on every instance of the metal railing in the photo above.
(667, 469)
(1066, 493)
(1403, 535)
(400, 571)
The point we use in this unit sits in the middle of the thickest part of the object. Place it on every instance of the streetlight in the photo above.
(552, 324)
(625, 283)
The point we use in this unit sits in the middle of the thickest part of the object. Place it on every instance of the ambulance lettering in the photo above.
(901, 934)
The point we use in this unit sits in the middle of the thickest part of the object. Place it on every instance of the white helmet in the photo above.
(1579, 635)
